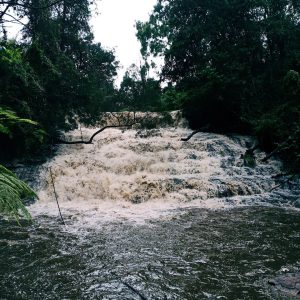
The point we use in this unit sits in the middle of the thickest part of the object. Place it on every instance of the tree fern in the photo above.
(13, 192)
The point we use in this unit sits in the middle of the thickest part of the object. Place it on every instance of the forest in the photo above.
(230, 65)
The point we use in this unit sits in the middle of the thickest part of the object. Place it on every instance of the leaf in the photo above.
(13, 192)
(4, 129)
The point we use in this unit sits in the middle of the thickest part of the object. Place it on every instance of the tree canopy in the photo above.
(56, 73)
(237, 63)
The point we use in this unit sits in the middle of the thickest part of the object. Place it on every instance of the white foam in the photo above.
(126, 176)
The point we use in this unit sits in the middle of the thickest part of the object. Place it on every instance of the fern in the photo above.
(13, 192)
(9, 119)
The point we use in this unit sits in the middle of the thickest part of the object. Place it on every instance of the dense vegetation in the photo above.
(18, 134)
(56, 74)
(233, 64)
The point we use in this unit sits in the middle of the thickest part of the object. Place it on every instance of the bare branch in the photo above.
(56, 196)
(4, 11)
(134, 290)
(16, 21)
(90, 141)
(288, 180)
(204, 128)
(279, 149)
(190, 136)
(10, 21)
(30, 6)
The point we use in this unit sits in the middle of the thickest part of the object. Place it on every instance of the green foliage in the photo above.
(291, 84)
(16, 132)
(56, 75)
(236, 62)
(138, 92)
(8, 120)
(19, 136)
(19, 87)
(173, 99)
(13, 192)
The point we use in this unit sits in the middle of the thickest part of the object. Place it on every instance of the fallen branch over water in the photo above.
(56, 197)
(90, 141)
(204, 128)
(134, 290)
(277, 150)
(281, 147)
(287, 181)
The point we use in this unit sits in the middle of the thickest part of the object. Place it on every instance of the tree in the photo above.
(230, 60)
(13, 11)
(138, 91)
(249, 44)
(71, 77)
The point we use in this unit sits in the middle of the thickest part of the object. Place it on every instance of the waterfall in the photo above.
(143, 174)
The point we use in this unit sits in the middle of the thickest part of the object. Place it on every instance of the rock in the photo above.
(136, 199)
(288, 284)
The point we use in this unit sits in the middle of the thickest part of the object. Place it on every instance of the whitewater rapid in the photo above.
(139, 174)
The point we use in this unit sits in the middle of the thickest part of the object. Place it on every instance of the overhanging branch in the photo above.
(15, 20)
(90, 141)
(13, 3)
(4, 11)
(202, 129)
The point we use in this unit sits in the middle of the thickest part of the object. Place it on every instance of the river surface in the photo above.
(148, 215)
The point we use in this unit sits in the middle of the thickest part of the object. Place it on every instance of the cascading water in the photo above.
(176, 220)
(138, 174)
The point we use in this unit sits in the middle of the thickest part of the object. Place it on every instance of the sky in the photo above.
(114, 28)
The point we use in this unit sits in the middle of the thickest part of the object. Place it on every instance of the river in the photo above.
(147, 215)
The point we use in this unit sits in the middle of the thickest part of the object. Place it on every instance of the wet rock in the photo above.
(191, 156)
(148, 133)
(29, 201)
(297, 203)
(136, 199)
(178, 181)
(288, 284)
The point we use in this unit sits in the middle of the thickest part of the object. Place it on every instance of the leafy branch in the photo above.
(13, 192)
(9, 119)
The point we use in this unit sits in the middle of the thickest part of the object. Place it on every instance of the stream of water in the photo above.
(171, 219)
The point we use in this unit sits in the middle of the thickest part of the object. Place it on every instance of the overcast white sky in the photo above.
(114, 28)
